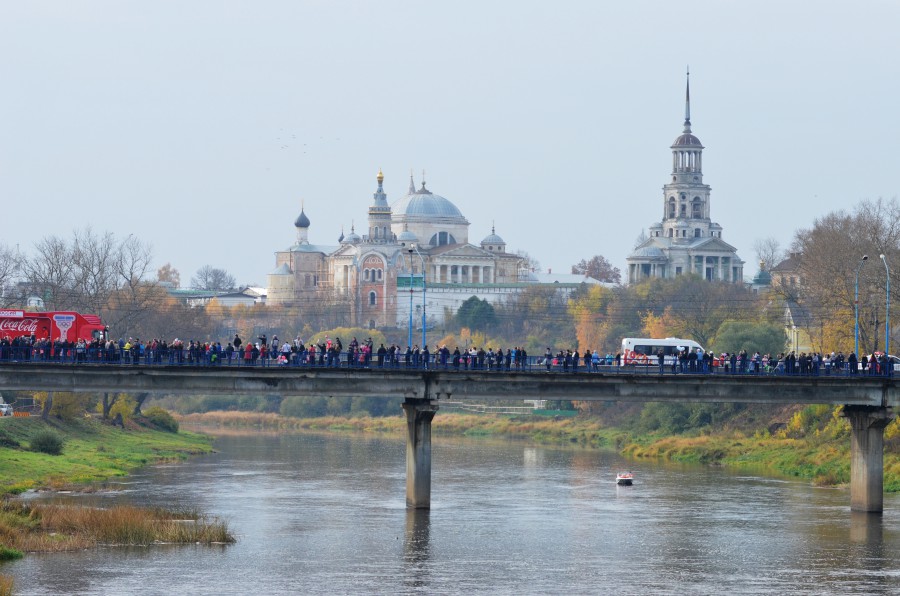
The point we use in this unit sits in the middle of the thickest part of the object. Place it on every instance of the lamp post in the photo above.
(413, 247)
(862, 262)
(409, 340)
(887, 308)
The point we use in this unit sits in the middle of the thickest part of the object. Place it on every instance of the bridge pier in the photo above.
(419, 414)
(867, 425)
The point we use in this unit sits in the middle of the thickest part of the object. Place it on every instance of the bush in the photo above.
(47, 441)
(9, 554)
(162, 419)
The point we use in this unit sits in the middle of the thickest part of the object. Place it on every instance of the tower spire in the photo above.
(687, 102)
(412, 185)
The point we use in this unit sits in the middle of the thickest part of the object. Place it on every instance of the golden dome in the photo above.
(380, 177)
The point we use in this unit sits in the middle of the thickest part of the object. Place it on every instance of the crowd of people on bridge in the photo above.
(332, 353)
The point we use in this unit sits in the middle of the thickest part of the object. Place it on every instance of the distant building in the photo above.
(686, 240)
(420, 239)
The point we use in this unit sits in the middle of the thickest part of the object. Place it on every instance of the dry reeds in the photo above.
(6, 585)
(51, 527)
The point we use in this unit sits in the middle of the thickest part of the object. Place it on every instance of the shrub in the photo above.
(9, 554)
(162, 419)
(47, 441)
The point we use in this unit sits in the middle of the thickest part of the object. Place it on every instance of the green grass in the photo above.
(93, 452)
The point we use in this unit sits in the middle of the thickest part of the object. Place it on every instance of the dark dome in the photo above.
(302, 221)
(687, 140)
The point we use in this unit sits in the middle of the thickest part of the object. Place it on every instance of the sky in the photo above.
(201, 127)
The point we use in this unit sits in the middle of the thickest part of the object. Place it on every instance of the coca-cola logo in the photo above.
(21, 325)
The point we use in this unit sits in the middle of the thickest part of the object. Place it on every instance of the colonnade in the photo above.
(463, 274)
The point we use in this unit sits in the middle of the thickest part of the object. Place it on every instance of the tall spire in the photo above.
(687, 102)
(412, 185)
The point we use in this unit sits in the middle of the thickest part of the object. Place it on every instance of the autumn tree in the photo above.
(830, 253)
(168, 274)
(212, 279)
(599, 268)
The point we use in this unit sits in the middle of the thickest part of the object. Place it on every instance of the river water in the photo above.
(318, 513)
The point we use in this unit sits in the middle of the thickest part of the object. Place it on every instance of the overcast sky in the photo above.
(202, 126)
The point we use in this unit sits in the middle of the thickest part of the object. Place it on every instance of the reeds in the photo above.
(6, 585)
(52, 527)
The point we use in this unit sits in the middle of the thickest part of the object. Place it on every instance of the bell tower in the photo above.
(685, 197)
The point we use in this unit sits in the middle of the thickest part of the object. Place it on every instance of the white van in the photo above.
(644, 350)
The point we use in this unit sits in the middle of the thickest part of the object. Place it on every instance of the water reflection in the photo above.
(417, 547)
(866, 528)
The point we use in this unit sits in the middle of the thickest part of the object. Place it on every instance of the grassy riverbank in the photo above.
(813, 444)
(92, 451)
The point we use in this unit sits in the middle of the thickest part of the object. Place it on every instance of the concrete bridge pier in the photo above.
(867, 425)
(419, 414)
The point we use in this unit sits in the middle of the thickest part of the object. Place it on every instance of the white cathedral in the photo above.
(417, 247)
(686, 241)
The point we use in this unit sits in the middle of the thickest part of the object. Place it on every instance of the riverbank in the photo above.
(799, 449)
(92, 451)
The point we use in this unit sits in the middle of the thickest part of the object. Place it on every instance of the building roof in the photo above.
(302, 221)
(687, 140)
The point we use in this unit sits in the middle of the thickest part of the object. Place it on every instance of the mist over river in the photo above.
(326, 513)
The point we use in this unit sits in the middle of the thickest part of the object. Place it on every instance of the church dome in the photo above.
(687, 140)
(352, 237)
(648, 252)
(302, 221)
(424, 205)
(492, 238)
(407, 237)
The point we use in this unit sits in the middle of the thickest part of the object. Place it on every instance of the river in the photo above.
(320, 513)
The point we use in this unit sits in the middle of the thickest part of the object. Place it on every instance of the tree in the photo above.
(9, 269)
(768, 251)
(765, 338)
(475, 313)
(829, 254)
(168, 274)
(212, 279)
(599, 268)
(528, 261)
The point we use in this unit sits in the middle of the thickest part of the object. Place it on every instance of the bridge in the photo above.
(869, 401)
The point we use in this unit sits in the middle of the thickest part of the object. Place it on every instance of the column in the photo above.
(419, 414)
(867, 425)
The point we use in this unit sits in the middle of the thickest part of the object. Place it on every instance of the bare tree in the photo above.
(768, 251)
(210, 278)
(49, 272)
(528, 261)
(9, 271)
(599, 268)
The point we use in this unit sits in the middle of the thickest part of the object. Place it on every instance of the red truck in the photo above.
(55, 326)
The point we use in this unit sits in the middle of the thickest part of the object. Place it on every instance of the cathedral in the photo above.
(419, 244)
(686, 240)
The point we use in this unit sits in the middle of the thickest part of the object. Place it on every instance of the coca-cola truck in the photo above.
(55, 326)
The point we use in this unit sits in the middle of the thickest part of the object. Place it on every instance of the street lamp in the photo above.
(413, 247)
(887, 308)
(409, 340)
(862, 262)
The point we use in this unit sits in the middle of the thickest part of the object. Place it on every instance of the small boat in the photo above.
(624, 478)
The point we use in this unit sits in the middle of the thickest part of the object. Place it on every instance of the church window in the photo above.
(372, 298)
(677, 270)
(379, 273)
(671, 207)
(306, 280)
(366, 274)
(683, 210)
(697, 232)
(442, 239)
(696, 208)
(669, 232)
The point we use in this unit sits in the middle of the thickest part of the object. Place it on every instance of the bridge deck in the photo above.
(451, 384)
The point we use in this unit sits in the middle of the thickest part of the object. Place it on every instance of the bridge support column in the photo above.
(419, 414)
(867, 425)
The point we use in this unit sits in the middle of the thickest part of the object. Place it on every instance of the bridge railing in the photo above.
(11, 355)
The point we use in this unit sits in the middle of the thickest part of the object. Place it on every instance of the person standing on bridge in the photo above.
(661, 358)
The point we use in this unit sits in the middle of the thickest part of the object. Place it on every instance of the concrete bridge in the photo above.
(868, 402)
